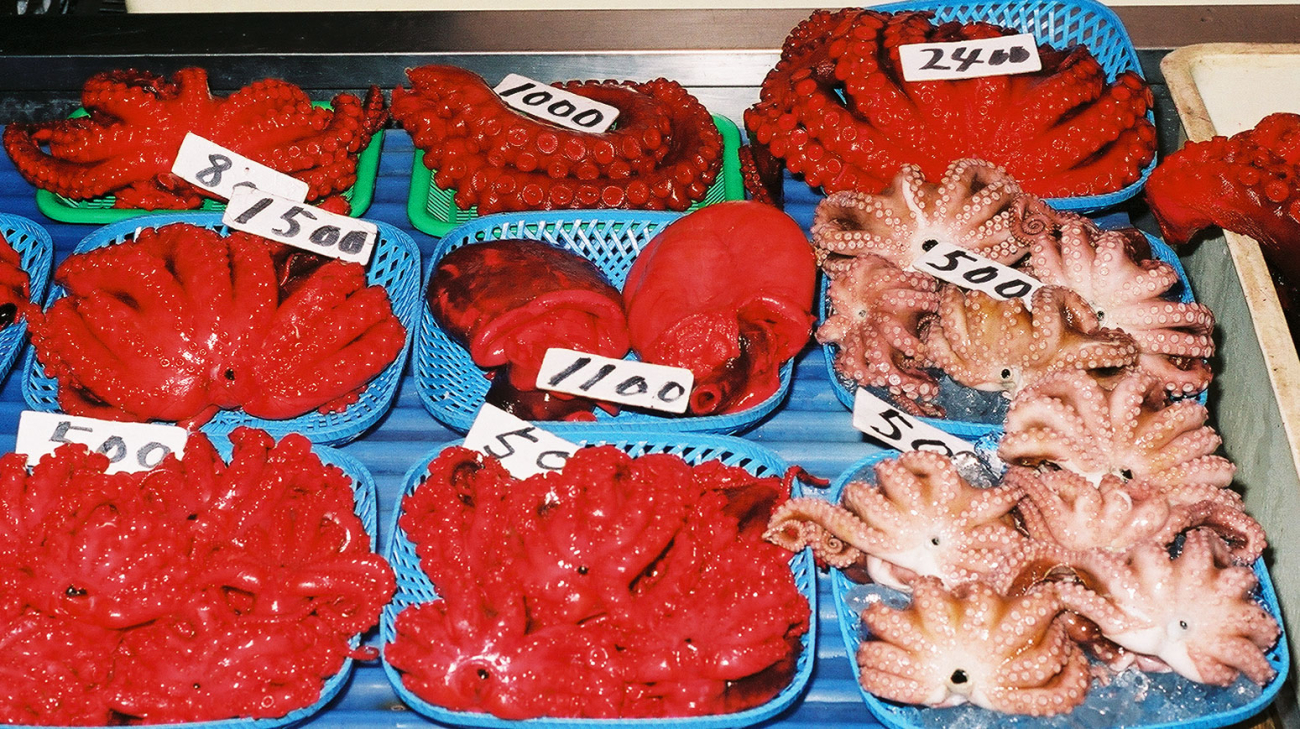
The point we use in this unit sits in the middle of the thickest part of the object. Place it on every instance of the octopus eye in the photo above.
(197, 686)
(1127, 474)
(8, 312)
(959, 677)
(230, 375)
(1182, 624)
(1006, 373)
(929, 244)
(74, 591)
(483, 674)
(582, 570)
(934, 541)
(1100, 315)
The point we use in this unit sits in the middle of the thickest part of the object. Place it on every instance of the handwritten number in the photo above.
(984, 274)
(563, 374)
(889, 416)
(634, 385)
(1013, 289)
(325, 236)
(353, 242)
(60, 434)
(143, 456)
(556, 460)
(211, 176)
(670, 392)
(601, 374)
(921, 443)
(253, 210)
(562, 108)
(525, 433)
(933, 63)
(953, 258)
(537, 98)
(517, 89)
(588, 118)
(966, 60)
(1019, 54)
(294, 228)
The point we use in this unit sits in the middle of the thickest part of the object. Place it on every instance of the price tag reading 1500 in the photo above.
(1001, 56)
(300, 225)
(129, 446)
(884, 422)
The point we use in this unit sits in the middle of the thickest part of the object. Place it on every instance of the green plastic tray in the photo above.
(100, 210)
(433, 210)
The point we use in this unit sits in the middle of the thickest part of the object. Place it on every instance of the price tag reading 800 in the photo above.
(218, 170)
(960, 267)
(1001, 56)
(884, 422)
(555, 105)
(129, 446)
(298, 224)
(523, 448)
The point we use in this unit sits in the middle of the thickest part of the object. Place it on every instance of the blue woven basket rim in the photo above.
(801, 563)
(1107, 18)
(887, 712)
(326, 429)
(366, 505)
(427, 349)
(967, 429)
(36, 250)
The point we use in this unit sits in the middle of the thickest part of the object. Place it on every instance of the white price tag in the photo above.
(129, 446)
(218, 170)
(301, 225)
(557, 106)
(968, 270)
(887, 424)
(623, 381)
(1001, 56)
(523, 448)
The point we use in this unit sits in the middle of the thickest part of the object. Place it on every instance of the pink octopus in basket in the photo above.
(1197, 617)
(973, 645)
(920, 518)
(1114, 272)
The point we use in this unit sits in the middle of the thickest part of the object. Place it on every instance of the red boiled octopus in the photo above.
(663, 154)
(15, 285)
(136, 121)
(616, 587)
(509, 301)
(725, 292)
(181, 322)
(836, 110)
(1246, 183)
(196, 591)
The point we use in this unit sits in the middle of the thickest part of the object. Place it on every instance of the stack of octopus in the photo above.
(1109, 540)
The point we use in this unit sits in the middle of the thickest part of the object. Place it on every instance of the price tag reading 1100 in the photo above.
(887, 424)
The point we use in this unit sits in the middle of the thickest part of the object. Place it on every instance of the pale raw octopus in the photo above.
(920, 518)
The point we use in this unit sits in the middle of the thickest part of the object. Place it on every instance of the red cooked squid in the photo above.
(726, 293)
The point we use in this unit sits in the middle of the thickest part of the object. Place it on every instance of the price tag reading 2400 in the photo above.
(557, 106)
(1001, 56)
(523, 448)
(623, 381)
(884, 422)
(960, 267)
(301, 225)
(129, 446)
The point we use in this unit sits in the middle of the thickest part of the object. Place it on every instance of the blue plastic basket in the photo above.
(395, 265)
(902, 716)
(452, 387)
(36, 250)
(845, 389)
(1061, 23)
(414, 587)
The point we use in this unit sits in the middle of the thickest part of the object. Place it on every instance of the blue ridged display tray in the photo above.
(414, 587)
(395, 265)
(452, 387)
(1235, 707)
(970, 430)
(36, 251)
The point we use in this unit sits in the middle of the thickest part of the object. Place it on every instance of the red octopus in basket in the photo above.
(15, 285)
(181, 322)
(136, 121)
(836, 110)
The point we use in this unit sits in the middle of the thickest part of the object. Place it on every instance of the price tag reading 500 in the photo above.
(129, 446)
(300, 225)
(967, 270)
(885, 423)
(523, 448)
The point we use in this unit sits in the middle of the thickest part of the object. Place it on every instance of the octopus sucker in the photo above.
(920, 518)
(971, 645)
(835, 110)
(1197, 617)
(137, 120)
(1008, 345)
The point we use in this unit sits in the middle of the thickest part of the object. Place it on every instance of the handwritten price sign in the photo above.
(523, 448)
(129, 446)
(218, 170)
(1002, 56)
(627, 382)
(968, 270)
(557, 106)
(298, 224)
(885, 423)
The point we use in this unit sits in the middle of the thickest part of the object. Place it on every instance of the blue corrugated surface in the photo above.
(812, 430)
